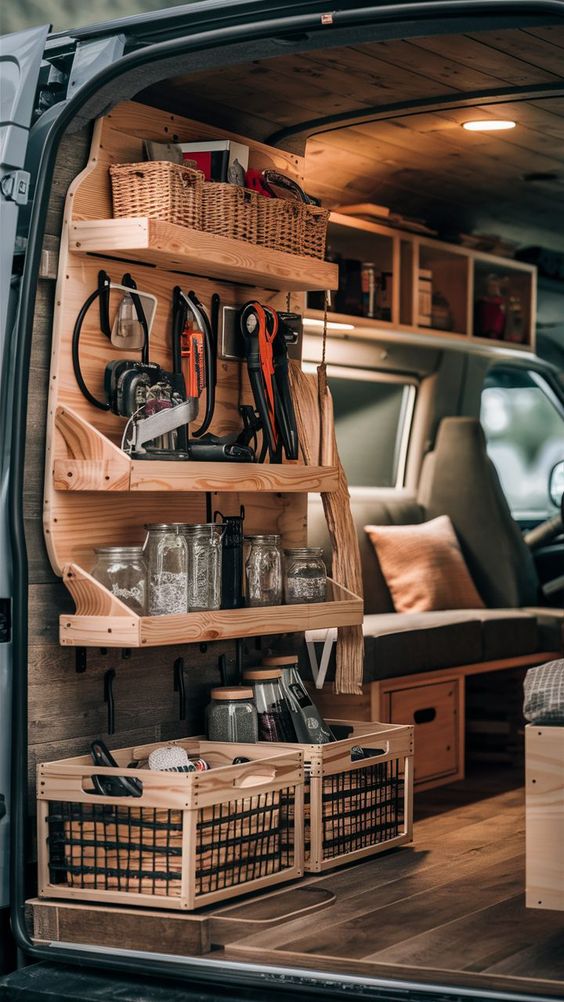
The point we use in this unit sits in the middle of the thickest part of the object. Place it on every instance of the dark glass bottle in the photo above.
(308, 723)
(274, 717)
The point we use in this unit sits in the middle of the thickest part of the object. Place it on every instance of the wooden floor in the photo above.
(449, 910)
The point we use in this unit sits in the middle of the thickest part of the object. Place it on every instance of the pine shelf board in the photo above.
(101, 620)
(178, 248)
(159, 475)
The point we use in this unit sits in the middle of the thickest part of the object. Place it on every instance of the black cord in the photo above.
(75, 352)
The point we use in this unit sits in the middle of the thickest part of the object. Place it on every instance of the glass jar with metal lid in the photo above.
(204, 565)
(264, 570)
(305, 575)
(123, 571)
(166, 552)
(308, 723)
(274, 719)
(232, 715)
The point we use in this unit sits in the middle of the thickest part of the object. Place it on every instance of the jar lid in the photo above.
(280, 659)
(260, 675)
(200, 526)
(263, 538)
(232, 692)
(128, 551)
(305, 551)
(163, 527)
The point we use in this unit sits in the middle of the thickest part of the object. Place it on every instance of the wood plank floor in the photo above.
(450, 909)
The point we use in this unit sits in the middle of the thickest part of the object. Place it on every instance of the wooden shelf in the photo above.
(101, 620)
(96, 464)
(177, 248)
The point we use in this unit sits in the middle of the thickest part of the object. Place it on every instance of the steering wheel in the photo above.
(543, 533)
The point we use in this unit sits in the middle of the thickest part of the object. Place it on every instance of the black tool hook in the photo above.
(109, 677)
(180, 687)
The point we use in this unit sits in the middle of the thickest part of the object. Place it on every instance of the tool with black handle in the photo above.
(283, 403)
(257, 331)
(112, 786)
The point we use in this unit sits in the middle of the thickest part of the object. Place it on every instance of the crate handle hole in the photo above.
(255, 779)
(367, 753)
(425, 716)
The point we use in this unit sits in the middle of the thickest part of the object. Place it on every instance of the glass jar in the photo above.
(204, 565)
(309, 725)
(123, 571)
(166, 552)
(274, 719)
(264, 570)
(305, 577)
(232, 715)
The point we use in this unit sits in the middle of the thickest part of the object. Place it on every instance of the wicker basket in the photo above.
(355, 809)
(190, 839)
(159, 190)
(281, 224)
(230, 211)
(314, 231)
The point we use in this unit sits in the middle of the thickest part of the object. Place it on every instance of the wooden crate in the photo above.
(190, 839)
(355, 809)
(544, 815)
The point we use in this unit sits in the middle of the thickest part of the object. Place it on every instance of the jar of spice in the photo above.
(305, 577)
(264, 570)
(123, 571)
(274, 719)
(204, 565)
(232, 715)
(166, 552)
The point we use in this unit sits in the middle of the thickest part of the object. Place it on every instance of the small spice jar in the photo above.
(264, 570)
(305, 576)
(166, 552)
(204, 565)
(123, 571)
(232, 715)
(274, 718)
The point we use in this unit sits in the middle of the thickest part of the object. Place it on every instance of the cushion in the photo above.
(424, 567)
(544, 694)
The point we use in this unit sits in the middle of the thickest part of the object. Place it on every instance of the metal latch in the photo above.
(15, 186)
(5, 620)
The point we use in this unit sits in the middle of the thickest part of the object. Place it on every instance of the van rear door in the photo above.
(21, 54)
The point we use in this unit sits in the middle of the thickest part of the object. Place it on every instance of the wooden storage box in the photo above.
(190, 839)
(355, 809)
(544, 816)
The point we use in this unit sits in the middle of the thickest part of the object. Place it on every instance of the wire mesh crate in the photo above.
(188, 839)
(357, 806)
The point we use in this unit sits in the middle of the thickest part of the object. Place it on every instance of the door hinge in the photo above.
(15, 186)
(5, 620)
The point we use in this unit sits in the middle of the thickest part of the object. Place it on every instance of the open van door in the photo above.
(20, 60)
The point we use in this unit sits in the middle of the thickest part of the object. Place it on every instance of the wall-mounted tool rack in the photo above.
(94, 493)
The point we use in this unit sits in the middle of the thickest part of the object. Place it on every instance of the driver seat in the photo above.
(459, 479)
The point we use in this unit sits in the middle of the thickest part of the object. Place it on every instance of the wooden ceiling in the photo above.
(419, 164)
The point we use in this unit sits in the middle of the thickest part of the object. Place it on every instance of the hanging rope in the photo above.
(314, 413)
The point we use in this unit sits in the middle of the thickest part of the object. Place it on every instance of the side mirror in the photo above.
(556, 484)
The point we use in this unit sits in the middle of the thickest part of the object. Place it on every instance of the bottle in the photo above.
(274, 717)
(232, 715)
(232, 560)
(308, 723)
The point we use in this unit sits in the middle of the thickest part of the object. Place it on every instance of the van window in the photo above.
(523, 421)
(372, 424)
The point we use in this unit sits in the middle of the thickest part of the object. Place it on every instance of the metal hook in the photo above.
(109, 677)
(180, 687)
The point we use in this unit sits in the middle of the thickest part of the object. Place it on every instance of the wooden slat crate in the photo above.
(190, 839)
(357, 808)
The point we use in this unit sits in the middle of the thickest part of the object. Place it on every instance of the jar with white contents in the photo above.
(305, 577)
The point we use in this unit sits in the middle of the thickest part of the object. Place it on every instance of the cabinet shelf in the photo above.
(96, 464)
(101, 620)
(178, 248)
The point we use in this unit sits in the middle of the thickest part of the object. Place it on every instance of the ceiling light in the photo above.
(331, 326)
(489, 125)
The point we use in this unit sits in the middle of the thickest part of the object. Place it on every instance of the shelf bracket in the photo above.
(319, 669)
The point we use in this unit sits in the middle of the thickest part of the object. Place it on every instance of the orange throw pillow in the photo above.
(424, 567)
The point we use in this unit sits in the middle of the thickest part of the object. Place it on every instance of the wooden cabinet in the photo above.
(433, 709)
(458, 277)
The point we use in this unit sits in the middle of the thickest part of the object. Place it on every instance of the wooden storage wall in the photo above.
(117, 518)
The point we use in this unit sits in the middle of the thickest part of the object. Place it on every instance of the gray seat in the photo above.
(458, 480)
